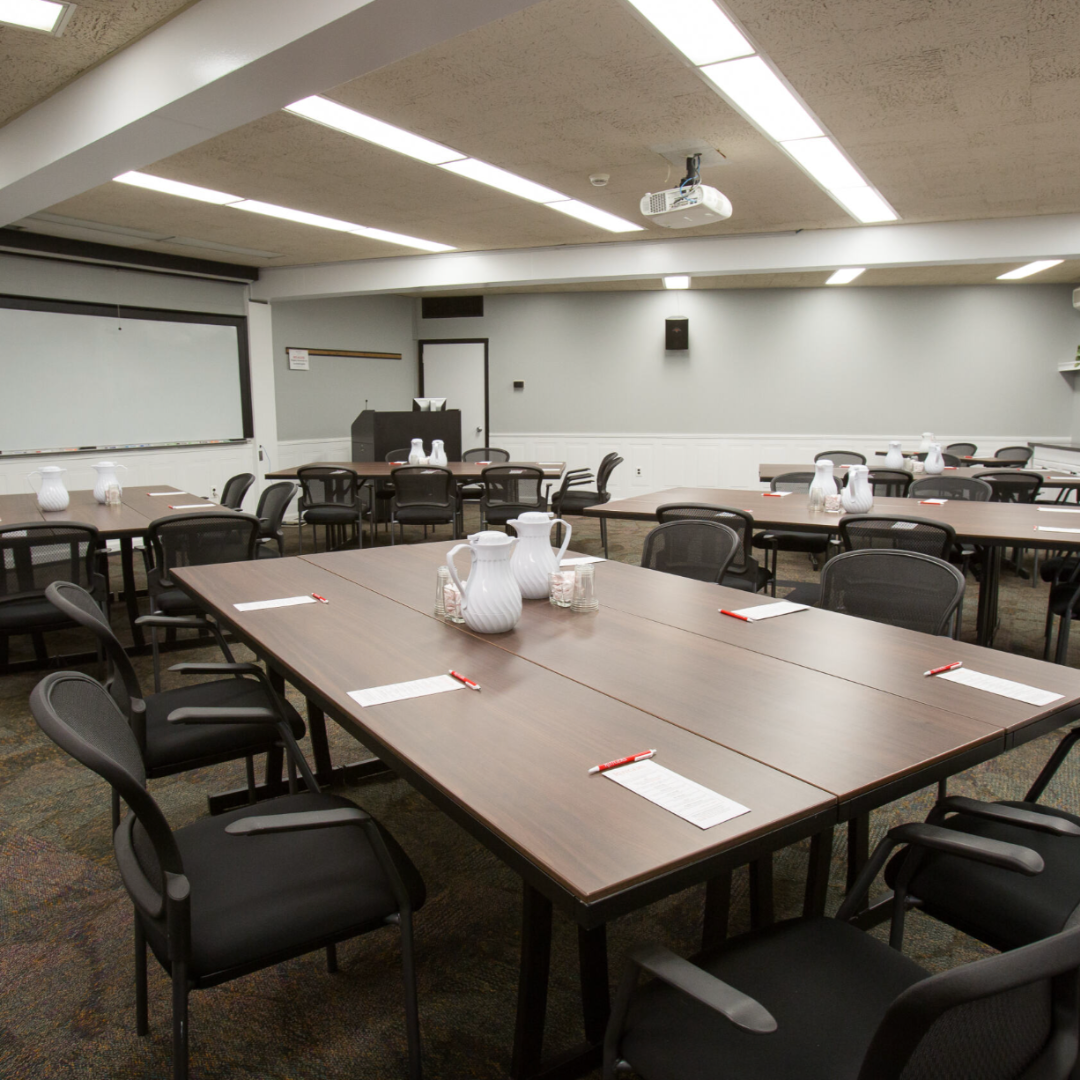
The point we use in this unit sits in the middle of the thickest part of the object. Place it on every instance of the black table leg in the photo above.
(988, 595)
(131, 601)
(858, 842)
(817, 873)
(761, 892)
(532, 984)
(595, 993)
(320, 747)
(714, 927)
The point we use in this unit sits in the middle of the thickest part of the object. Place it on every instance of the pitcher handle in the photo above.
(453, 571)
(34, 472)
(566, 538)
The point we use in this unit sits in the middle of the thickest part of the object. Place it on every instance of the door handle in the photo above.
(478, 430)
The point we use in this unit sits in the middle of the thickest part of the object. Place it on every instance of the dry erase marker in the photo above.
(468, 682)
(321, 599)
(734, 615)
(947, 667)
(622, 761)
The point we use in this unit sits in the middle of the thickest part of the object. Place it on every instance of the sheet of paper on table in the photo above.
(380, 695)
(1003, 687)
(582, 560)
(769, 611)
(285, 601)
(195, 506)
(1054, 528)
(689, 800)
(1059, 509)
(156, 494)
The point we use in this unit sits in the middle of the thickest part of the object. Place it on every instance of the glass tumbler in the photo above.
(442, 579)
(561, 588)
(585, 590)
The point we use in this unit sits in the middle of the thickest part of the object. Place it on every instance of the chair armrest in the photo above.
(208, 714)
(1009, 815)
(980, 848)
(741, 1009)
(181, 622)
(313, 819)
(218, 668)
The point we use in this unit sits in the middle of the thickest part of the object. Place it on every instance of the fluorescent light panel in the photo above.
(482, 172)
(174, 187)
(677, 281)
(401, 238)
(825, 162)
(846, 275)
(45, 15)
(592, 216)
(1029, 269)
(332, 114)
(697, 28)
(757, 91)
(864, 204)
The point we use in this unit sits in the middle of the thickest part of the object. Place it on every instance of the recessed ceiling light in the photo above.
(864, 204)
(47, 16)
(174, 187)
(758, 92)
(1029, 269)
(846, 275)
(824, 161)
(404, 241)
(590, 214)
(697, 28)
(332, 114)
(495, 177)
(302, 217)
(677, 281)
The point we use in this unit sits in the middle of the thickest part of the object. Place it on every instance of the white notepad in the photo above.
(285, 601)
(1053, 528)
(776, 494)
(156, 494)
(380, 695)
(1059, 509)
(689, 800)
(195, 506)
(769, 611)
(581, 560)
(1003, 687)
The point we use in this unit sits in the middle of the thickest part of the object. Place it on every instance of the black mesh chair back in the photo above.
(325, 486)
(486, 453)
(841, 457)
(880, 531)
(1019, 454)
(962, 449)
(889, 483)
(236, 487)
(697, 549)
(603, 475)
(273, 503)
(510, 490)
(423, 486)
(949, 460)
(197, 540)
(1013, 485)
(901, 588)
(739, 520)
(967, 488)
(798, 482)
(401, 454)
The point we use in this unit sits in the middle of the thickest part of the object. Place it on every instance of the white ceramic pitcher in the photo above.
(491, 597)
(53, 495)
(106, 479)
(416, 453)
(438, 453)
(858, 496)
(824, 483)
(934, 462)
(894, 459)
(533, 559)
(925, 441)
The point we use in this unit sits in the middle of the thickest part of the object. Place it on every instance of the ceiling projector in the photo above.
(686, 206)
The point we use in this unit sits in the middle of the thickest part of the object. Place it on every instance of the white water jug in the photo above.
(53, 495)
(491, 597)
(416, 454)
(106, 479)
(894, 459)
(824, 483)
(533, 559)
(438, 453)
(858, 496)
(927, 439)
(934, 462)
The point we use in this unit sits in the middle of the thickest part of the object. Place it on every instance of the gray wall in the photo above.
(323, 402)
(979, 359)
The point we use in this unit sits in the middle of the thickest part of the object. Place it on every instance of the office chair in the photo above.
(475, 492)
(273, 503)
(841, 457)
(166, 748)
(333, 497)
(960, 488)
(423, 495)
(694, 548)
(889, 483)
(962, 449)
(1021, 455)
(773, 541)
(950, 460)
(229, 895)
(510, 490)
(236, 487)
(569, 501)
(744, 571)
(819, 999)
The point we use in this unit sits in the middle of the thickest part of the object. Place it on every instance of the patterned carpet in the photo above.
(66, 991)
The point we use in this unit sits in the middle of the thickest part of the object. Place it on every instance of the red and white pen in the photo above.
(622, 761)
(321, 599)
(734, 615)
(468, 682)
(947, 667)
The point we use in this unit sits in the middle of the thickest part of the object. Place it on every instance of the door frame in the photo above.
(458, 341)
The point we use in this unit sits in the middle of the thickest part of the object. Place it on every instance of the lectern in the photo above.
(375, 434)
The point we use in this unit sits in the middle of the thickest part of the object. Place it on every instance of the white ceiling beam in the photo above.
(888, 246)
(217, 65)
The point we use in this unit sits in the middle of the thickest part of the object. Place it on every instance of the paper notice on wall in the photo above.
(299, 360)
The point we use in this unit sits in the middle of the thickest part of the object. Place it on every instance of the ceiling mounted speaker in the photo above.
(677, 333)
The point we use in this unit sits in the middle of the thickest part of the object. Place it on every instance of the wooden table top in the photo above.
(972, 459)
(983, 523)
(381, 470)
(1052, 478)
(512, 761)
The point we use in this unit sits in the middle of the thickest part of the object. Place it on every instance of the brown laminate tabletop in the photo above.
(381, 470)
(1052, 478)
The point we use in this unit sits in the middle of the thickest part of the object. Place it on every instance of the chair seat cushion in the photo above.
(33, 613)
(1001, 907)
(172, 748)
(791, 540)
(331, 515)
(425, 515)
(827, 984)
(175, 602)
(266, 898)
(573, 501)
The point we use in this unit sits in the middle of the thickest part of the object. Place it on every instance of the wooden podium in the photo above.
(375, 434)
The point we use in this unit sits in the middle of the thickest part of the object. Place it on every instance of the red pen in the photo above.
(771, 494)
(468, 682)
(947, 667)
(622, 761)
(734, 615)
(321, 599)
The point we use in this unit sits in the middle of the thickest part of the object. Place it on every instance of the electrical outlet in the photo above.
(638, 472)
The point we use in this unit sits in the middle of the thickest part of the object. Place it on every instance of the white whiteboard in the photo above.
(71, 380)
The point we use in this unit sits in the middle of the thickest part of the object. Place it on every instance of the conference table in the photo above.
(463, 471)
(971, 459)
(1052, 478)
(993, 526)
(130, 520)
(808, 720)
